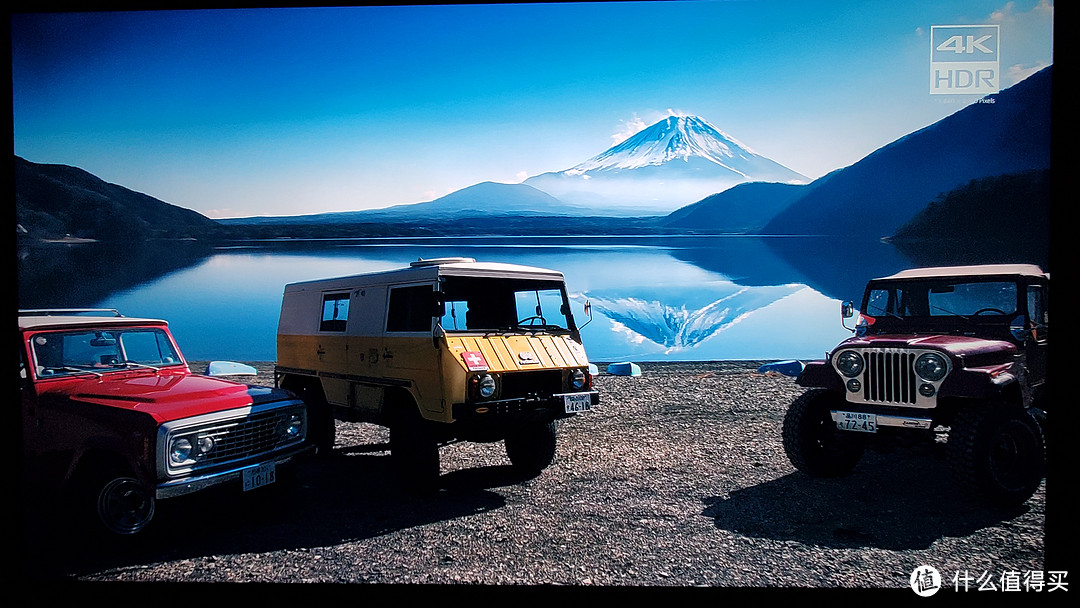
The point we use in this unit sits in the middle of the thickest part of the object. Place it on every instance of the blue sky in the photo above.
(305, 110)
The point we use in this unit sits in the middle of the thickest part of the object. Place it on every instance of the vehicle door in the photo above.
(410, 354)
(1036, 343)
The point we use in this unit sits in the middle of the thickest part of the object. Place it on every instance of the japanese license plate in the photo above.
(577, 403)
(257, 477)
(856, 421)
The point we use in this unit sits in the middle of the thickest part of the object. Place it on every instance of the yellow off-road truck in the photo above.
(446, 349)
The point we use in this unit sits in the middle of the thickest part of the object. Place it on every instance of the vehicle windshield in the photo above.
(485, 304)
(940, 298)
(97, 351)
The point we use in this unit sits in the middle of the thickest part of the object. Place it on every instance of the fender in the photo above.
(819, 374)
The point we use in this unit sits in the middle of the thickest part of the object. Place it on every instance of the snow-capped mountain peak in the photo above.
(674, 138)
(672, 163)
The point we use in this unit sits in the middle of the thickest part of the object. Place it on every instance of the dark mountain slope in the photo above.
(57, 200)
(743, 209)
(881, 192)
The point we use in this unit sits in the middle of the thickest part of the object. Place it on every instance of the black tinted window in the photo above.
(410, 309)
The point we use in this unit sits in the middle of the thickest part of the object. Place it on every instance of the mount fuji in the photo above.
(675, 162)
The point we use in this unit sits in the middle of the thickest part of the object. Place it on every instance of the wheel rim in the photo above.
(124, 506)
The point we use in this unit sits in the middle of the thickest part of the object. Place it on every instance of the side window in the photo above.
(410, 308)
(335, 312)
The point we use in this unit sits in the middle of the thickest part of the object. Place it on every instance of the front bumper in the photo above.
(196, 483)
(520, 409)
(896, 421)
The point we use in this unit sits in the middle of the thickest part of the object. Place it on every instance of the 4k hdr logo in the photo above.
(964, 60)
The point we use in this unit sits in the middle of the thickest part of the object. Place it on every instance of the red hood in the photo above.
(958, 346)
(166, 396)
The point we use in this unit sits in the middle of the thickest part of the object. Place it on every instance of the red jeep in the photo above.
(113, 415)
(954, 352)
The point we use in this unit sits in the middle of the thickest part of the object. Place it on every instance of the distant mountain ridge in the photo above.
(1006, 134)
(486, 199)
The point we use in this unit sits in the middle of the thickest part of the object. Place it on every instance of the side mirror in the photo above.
(588, 313)
(847, 310)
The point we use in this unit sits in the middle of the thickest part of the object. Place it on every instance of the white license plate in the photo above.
(257, 477)
(856, 421)
(577, 403)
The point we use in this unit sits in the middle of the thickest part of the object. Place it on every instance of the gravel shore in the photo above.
(677, 479)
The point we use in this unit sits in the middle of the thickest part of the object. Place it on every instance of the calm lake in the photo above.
(653, 298)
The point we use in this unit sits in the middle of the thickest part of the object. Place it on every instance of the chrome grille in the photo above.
(244, 438)
(890, 377)
(236, 438)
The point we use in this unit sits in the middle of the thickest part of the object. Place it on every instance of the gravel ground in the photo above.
(677, 479)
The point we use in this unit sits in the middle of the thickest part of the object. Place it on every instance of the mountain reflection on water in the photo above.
(653, 298)
(681, 319)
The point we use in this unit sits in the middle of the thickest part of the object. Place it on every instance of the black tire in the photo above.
(118, 503)
(997, 453)
(322, 430)
(811, 440)
(414, 452)
(531, 448)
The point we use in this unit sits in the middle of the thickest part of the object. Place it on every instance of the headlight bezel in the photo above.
(578, 380)
(941, 368)
(849, 363)
(487, 386)
(180, 450)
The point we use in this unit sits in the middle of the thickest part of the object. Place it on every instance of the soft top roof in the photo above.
(75, 322)
(1029, 270)
(432, 269)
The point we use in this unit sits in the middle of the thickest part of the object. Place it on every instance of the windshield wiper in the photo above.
(955, 314)
(534, 328)
(72, 368)
(131, 364)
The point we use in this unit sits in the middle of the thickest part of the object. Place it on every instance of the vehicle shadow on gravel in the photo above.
(349, 496)
(893, 502)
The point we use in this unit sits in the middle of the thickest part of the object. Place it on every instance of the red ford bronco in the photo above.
(114, 418)
(956, 352)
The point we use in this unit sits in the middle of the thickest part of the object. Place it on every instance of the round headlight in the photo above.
(931, 366)
(487, 386)
(205, 443)
(849, 363)
(577, 379)
(180, 450)
(296, 426)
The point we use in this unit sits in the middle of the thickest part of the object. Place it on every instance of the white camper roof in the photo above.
(1030, 270)
(431, 270)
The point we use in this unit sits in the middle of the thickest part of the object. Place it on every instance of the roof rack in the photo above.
(440, 261)
(48, 312)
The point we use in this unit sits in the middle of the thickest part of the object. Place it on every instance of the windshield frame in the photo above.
(493, 299)
(988, 323)
(112, 353)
